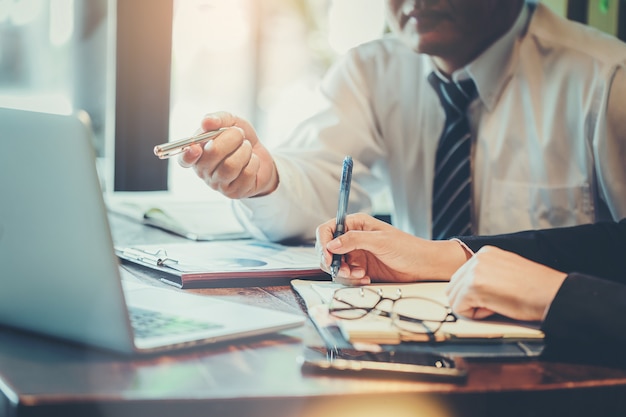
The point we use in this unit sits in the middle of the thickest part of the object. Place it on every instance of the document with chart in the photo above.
(195, 264)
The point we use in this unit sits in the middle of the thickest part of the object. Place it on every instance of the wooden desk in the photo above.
(261, 377)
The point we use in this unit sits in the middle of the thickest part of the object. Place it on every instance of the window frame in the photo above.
(142, 93)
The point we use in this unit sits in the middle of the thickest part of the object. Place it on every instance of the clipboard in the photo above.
(237, 261)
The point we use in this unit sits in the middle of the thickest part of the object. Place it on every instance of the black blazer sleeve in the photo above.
(595, 249)
(586, 321)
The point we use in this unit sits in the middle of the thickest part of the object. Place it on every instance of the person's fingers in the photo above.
(355, 223)
(322, 256)
(248, 180)
(477, 313)
(463, 297)
(220, 148)
(348, 280)
(324, 234)
(213, 151)
(454, 285)
(353, 269)
(459, 290)
(222, 119)
(217, 120)
(357, 240)
(232, 167)
(236, 174)
(226, 164)
(357, 263)
(190, 156)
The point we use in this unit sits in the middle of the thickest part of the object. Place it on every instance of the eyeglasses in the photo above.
(412, 314)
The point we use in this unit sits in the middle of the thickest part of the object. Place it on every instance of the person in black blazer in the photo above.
(572, 279)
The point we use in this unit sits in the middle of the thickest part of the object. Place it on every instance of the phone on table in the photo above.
(411, 364)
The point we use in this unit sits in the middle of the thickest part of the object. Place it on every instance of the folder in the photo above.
(201, 264)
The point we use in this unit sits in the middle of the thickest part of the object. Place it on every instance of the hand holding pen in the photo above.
(376, 251)
(344, 195)
(228, 157)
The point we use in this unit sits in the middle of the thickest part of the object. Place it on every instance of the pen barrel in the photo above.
(344, 190)
(344, 194)
(170, 149)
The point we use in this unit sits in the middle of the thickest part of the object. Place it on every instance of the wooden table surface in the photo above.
(261, 377)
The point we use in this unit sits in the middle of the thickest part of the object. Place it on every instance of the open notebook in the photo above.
(466, 337)
(60, 275)
(194, 219)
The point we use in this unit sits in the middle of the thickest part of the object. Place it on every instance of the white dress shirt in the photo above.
(549, 131)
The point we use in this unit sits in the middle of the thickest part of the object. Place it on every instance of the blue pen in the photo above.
(344, 194)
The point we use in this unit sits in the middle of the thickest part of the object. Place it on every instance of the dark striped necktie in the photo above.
(452, 186)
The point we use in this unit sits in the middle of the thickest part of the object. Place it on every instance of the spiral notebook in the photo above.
(496, 338)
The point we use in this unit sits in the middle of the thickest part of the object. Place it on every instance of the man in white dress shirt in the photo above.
(548, 126)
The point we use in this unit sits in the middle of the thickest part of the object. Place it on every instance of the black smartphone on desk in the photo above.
(416, 365)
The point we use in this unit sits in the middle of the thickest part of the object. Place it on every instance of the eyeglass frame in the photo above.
(450, 317)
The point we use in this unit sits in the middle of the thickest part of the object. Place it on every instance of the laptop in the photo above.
(60, 274)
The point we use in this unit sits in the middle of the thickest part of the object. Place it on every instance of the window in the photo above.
(53, 58)
(146, 71)
(261, 60)
(33, 35)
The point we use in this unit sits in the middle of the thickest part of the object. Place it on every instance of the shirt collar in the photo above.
(491, 70)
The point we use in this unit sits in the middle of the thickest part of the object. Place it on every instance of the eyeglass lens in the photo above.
(413, 314)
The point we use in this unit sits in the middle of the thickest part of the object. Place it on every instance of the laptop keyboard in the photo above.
(149, 323)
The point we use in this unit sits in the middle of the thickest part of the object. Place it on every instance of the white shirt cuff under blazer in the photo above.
(549, 134)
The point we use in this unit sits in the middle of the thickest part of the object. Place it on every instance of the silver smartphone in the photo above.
(418, 365)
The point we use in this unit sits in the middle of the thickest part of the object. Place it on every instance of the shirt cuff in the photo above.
(466, 248)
